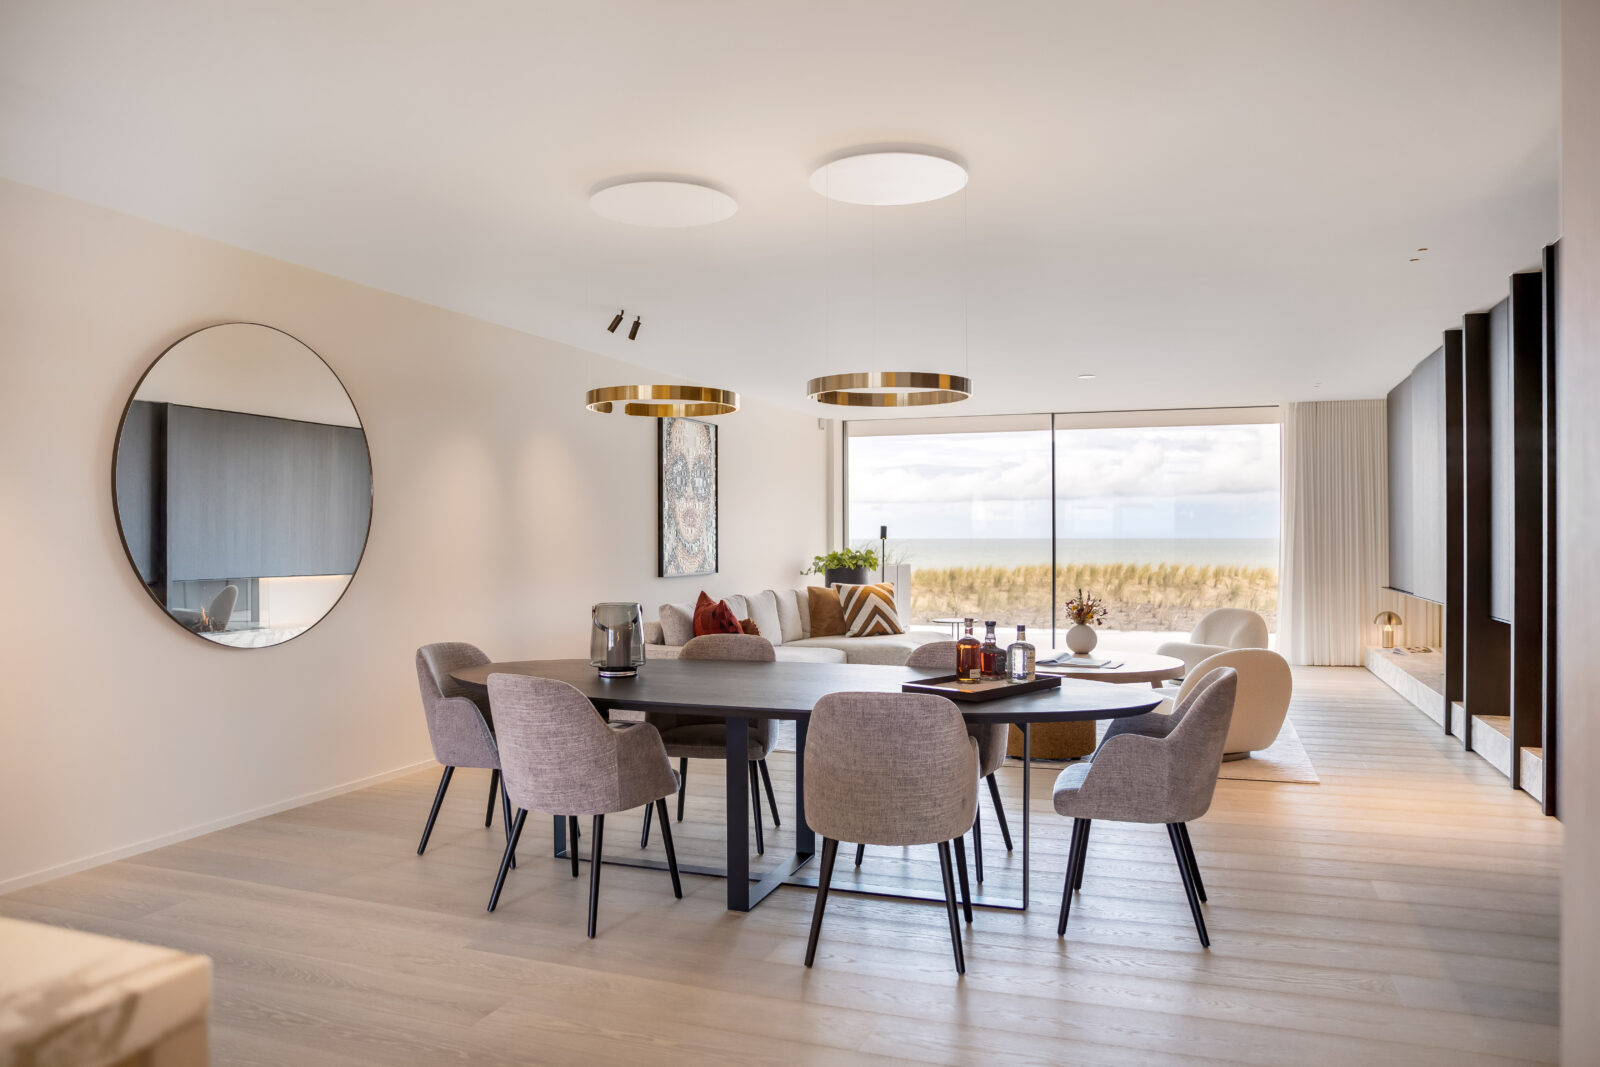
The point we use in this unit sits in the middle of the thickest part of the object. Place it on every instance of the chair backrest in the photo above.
(1266, 685)
(933, 654)
(1166, 779)
(748, 647)
(557, 754)
(457, 723)
(1231, 628)
(221, 609)
(889, 769)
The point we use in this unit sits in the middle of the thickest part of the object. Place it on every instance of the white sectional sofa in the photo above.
(784, 618)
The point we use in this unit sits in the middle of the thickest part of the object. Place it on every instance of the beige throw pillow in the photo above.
(869, 610)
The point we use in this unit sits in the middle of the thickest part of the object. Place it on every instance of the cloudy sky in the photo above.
(1151, 482)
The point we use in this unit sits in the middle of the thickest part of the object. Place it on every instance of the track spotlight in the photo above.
(633, 331)
(615, 322)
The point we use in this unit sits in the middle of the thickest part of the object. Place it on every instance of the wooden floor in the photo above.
(1404, 911)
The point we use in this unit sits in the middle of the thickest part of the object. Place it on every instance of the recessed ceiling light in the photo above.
(1085, 377)
(662, 203)
(889, 179)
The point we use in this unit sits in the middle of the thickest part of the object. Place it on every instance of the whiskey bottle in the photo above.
(993, 661)
(1019, 657)
(967, 657)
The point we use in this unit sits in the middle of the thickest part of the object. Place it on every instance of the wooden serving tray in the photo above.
(975, 692)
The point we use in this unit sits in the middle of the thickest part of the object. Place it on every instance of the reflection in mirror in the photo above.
(243, 485)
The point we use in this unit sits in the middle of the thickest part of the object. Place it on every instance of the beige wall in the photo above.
(502, 510)
(1578, 499)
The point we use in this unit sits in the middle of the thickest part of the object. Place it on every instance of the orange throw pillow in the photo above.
(827, 615)
(714, 617)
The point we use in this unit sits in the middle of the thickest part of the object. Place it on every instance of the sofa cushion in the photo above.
(764, 612)
(890, 649)
(802, 600)
(790, 654)
(869, 610)
(789, 624)
(714, 617)
(677, 623)
(737, 604)
(827, 615)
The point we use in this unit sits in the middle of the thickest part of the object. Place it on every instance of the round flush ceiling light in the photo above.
(889, 179)
(662, 203)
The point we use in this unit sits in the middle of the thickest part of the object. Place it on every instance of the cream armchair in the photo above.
(1259, 708)
(1218, 631)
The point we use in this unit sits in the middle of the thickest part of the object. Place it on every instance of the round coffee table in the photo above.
(1071, 740)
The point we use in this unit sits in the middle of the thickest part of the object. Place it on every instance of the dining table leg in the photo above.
(1027, 797)
(737, 778)
(805, 840)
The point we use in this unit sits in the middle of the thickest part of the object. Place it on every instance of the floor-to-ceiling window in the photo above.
(1163, 515)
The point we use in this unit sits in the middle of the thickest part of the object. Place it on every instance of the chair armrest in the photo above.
(1191, 653)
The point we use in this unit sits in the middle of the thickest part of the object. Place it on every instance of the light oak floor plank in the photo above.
(1403, 911)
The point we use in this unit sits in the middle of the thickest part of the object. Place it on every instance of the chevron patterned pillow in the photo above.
(869, 610)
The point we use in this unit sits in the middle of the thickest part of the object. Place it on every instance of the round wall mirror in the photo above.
(242, 485)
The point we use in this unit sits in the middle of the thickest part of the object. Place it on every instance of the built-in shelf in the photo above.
(1533, 773)
(1491, 739)
(1417, 676)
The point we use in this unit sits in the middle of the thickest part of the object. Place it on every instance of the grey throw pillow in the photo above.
(677, 623)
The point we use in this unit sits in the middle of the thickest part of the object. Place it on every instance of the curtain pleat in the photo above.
(1334, 552)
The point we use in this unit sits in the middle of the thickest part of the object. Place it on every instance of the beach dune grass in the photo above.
(1139, 596)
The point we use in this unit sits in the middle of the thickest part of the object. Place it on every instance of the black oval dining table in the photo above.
(741, 691)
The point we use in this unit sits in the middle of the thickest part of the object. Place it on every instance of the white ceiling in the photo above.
(1204, 202)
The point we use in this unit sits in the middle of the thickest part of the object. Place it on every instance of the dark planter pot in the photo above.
(846, 576)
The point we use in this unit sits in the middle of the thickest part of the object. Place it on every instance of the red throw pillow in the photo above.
(714, 617)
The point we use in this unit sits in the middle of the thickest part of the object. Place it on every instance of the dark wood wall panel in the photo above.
(250, 496)
(1486, 640)
(1550, 701)
(1526, 549)
(1502, 463)
(1401, 468)
(1455, 658)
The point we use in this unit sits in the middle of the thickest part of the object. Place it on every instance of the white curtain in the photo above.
(1335, 544)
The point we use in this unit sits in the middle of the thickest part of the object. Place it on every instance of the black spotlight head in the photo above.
(633, 331)
(615, 323)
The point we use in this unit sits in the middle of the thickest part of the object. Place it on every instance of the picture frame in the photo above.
(687, 498)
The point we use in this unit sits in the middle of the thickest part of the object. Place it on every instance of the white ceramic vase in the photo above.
(1081, 639)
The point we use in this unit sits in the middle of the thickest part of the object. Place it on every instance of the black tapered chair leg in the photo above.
(438, 799)
(999, 812)
(683, 783)
(772, 798)
(494, 794)
(950, 905)
(505, 818)
(672, 855)
(830, 852)
(966, 889)
(1194, 866)
(644, 835)
(977, 846)
(1188, 884)
(505, 861)
(1083, 854)
(1072, 869)
(861, 854)
(755, 807)
(572, 842)
(594, 871)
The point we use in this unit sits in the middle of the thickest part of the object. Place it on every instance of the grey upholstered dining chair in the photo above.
(1138, 777)
(459, 725)
(991, 738)
(891, 769)
(705, 736)
(559, 756)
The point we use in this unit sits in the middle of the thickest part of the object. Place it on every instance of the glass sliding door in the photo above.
(1165, 523)
(968, 511)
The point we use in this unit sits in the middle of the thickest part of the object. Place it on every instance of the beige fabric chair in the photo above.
(991, 738)
(1141, 778)
(705, 736)
(459, 726)
(1266, 685)
(559, 756)
(891, 769)
(1218, 631)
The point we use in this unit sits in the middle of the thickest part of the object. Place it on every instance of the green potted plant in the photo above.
(846, 565)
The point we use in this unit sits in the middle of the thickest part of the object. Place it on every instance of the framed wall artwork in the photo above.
(688, 492)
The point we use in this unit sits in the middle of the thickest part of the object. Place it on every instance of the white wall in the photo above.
(1578, 498)
(502, 510)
